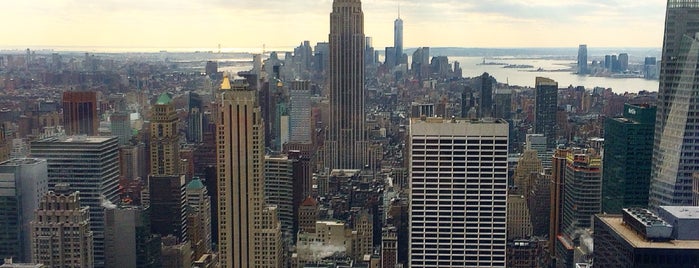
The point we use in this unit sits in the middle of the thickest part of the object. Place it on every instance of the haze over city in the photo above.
(250, 24)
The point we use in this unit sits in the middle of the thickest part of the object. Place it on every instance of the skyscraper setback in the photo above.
(675, 153)
(346, 139)
(249, 232)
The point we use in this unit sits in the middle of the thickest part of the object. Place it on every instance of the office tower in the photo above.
(279, 189)
(164, 138)
(60, 232)
(390, 57)
(362, 235)
(120, 125)
(168, 204)
(308, 215)
(527, 165)
(195, 125)
(199, 218)
(640, 238)
(369, 52)
(132, 161)
(615, 64)
(398, 39)
(485, 105)
(582, 194)
(539, 203)
(608, 62)
(249, 232)
(211, 68)
(5, 146)
(346, 141)
(628, 157)
(545, 108)
(96, 181)
(80, 113)
(23, 182)
(623, 62)
(467, 162)
(176, 254)
(389, 247)
(300, 127)
(128, 239)
(650, 68)
(519, 222)
(674, 150)
(302, 183)
(503, 103)
(582, 60)
(558, 172)
(537, 142)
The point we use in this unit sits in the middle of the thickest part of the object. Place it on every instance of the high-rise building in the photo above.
(132, 161)
(168, 204)
(519, 222)
(300, 128)
(640, 238)
(529, 163)
(398, 39)
(675, 154)
(485, 105)
(308, 215)
(623, 62)
(96, 181)
(582, 60)
(80, 113)
(545, 108)
(346, 141)
(23, 182)
(199, 218)
(249, 232)
(60, 232)
(628, 157)
(389, 247)
(164, 138)
(502, 107)
(128, 239)
(279, 189)
(458, 183)
(558, 171)
(537, 142)
(5, 145)
(120, 125)
(582, 194)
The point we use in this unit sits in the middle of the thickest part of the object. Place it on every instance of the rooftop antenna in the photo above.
(399, 10)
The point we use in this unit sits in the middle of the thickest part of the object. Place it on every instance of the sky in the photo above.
(286, 23)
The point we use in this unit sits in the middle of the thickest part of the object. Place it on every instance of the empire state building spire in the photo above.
(346, 140)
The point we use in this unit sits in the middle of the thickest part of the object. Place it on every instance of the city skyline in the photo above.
(507, 23)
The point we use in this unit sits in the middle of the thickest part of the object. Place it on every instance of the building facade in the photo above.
(80, 113)
(128, 239)
(458, 182)
(61, 235)
(23, 182)
(164, 138)
(628, 157)
(545, 108)
(346, 140)
(246, 225)
(300, 127)
(675, 154)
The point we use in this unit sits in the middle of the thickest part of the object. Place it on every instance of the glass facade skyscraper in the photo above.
(676, 146)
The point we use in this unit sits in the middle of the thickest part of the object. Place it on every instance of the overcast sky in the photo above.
(286, 23)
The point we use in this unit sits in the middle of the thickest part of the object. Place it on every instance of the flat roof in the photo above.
(22, 161)
(79, 139)
(685, 213)
(615, 222)
(435, 126)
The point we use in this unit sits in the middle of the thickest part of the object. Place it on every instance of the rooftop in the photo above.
(164, 99)
(615, 223)
(21, 161)
(685, 213)
(195, 184)
(79, 139)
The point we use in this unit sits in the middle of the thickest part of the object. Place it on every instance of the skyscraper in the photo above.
(249, 232)
(675, 153)
(168, 204)
(458, 185)
(628, 156)
(164, 138)
(96, 180)
(300, 128)
(60, 232)
(80, 113)
(485, 105)
(582, 193)
(128, 240)
(546, 106)
(346, 139)
(582, 59)
(398, 39)
(198, 218)
(23, 182)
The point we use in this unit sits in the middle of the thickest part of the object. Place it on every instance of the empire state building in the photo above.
(346, 144)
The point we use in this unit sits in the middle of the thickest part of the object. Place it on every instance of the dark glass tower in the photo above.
(675, 150)
(346, 141)
(628, 153)
(582, 60)
(398, 39)
(546, 107)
